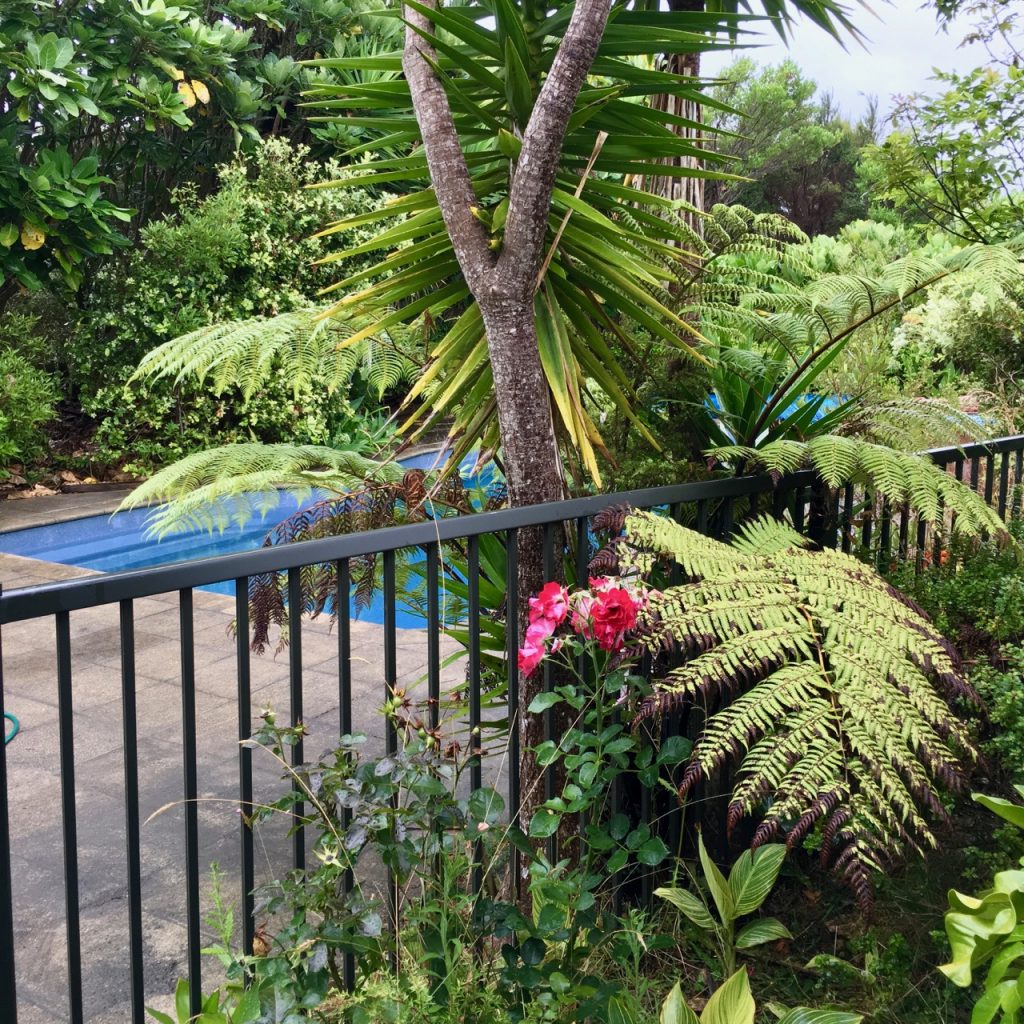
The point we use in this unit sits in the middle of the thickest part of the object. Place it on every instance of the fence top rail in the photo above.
(980, 449)
(109, 588)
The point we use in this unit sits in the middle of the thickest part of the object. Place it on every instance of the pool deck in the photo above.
(24, 513)
(33, 761)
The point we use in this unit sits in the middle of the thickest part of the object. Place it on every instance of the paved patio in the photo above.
(33, 763)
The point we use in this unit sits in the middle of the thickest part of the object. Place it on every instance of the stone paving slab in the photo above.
(30, 692)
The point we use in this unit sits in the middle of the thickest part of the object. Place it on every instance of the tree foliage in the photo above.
(241, 254)
(798, 152)
(955, 159)
(105, 107)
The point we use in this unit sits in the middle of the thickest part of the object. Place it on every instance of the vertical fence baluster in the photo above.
(725, 520)
(990, 477)
(675, 576)
(1004, 483)
(342, 599)
(69, 815)
(848, 499)
(550, 722)
(867, 517)
(296, 606)
(798, 508)
(975, 473)
(475, 723)
(904, 542)
(473, 608)
(922, 545)
(885, 535)
(129, 725)
(1018, 481)
(248, 879)
(512, 679)
(186, 630)
(390, 686)
(433, 637)
(702, 515)
(8, 992)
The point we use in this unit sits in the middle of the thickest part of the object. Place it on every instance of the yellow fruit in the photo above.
(32, 237)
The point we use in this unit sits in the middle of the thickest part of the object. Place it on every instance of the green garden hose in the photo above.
(8, 736)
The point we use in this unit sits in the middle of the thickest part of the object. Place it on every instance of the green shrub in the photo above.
(27, 400)
(977, 598)
(246, 250)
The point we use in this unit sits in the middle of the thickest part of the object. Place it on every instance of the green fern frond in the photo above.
(913, 424)
(212, 489)
(305, 345)
(824, 692)
(902, 477)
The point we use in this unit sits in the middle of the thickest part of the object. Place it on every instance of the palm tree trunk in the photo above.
(690, 189)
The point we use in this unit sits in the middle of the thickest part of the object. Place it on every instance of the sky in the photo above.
(904, 44)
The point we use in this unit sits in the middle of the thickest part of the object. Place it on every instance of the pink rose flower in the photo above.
(582, 604)
(530, 656)
(551, 605)
(538, 632)
(613, 615)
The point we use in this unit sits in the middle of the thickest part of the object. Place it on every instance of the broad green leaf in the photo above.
(691, 905)
(544, 824)
(1011, 812)
(248, 1008)
(804, 1015)
(716, 883)
(543, 701)
(757, 933)
(753, 876)
(731, 1002)
(674, 1009)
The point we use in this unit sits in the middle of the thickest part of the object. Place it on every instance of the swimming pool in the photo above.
(110, 543)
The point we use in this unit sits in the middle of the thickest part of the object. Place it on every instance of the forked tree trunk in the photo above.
(504, 284)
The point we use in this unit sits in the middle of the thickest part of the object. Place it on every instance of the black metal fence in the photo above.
(103, 661)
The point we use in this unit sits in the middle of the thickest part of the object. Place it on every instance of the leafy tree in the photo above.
(105, 106)
(956, 159)
(799, 153)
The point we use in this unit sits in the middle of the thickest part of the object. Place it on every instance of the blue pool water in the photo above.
(116, 542)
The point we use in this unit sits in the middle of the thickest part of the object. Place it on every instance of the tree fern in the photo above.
(827, 694)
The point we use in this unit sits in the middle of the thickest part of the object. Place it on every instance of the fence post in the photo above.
(8, 995)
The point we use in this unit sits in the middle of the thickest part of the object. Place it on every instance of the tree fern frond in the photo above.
(211, 489)
(823, 691)
(303, 343)
(903, 478)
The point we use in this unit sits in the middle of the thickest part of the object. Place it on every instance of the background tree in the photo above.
(104, 107)
(956, 158)
(794, 145)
